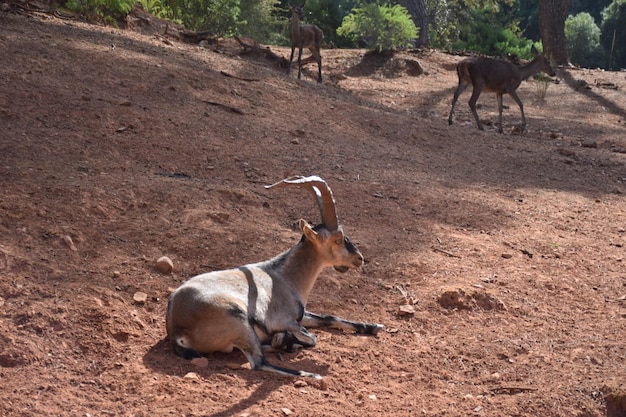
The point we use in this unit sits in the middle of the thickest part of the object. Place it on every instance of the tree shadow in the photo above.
(576, 85)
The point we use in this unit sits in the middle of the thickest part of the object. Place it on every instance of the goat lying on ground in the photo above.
(304, 36)
(498, 76)
(265, 303)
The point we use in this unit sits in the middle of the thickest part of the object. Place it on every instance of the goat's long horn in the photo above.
(322, 193)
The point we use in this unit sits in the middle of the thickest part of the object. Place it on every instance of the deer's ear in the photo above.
(534, 50)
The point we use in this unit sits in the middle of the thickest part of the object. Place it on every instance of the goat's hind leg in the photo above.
(253, 351)
(314, 320)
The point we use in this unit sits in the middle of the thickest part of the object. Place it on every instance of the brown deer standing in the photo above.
(497, 76)
(304, 36)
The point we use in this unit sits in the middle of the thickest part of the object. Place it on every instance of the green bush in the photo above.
(379, 27)
(485, 33)
(220, 17)
(107, 10)
(583, 40)
(614, 33)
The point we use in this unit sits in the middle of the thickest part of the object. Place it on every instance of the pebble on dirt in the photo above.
(70, 243)
(200, 362)
(140, 297)
(165, 265)
(406, 310)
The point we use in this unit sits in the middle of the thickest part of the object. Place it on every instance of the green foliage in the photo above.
(486, 33)
(328, 15)
(158, 8)
(259, 19)
(107, 10)
(379, 27)
(220, 17)
(613, 37)
(593, 7)
(583, 40)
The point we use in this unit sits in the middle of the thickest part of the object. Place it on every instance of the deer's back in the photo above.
(494, 75)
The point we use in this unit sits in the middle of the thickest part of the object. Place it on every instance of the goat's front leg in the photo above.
(296, 337)
(319, 321)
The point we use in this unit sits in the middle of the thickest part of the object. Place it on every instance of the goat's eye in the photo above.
(339, 241)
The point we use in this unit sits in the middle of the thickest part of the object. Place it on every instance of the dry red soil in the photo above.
(495, 262)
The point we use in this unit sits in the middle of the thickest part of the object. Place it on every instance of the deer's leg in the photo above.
(457, 93)
(319, 321)
(521, 108)
(315, 51)
(500, 107)
(300, 62)
(293, 48)
(478, 88)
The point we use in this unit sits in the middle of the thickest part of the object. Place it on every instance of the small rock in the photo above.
(406, 310)
(192, 375)
(140, 297)
(507, 255)
(200, 362)
(286, 411)
(165, 265)
(589, 143)
(566, 152)
(300, 384)
(70, 243)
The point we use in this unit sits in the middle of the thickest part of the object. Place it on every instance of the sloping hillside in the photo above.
(495, 262)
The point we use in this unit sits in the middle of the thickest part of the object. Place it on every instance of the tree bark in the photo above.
(552, 15)
(417, 10)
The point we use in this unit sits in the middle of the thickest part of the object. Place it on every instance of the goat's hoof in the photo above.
(376, 328)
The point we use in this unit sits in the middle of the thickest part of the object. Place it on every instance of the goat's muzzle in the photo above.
(357, 261)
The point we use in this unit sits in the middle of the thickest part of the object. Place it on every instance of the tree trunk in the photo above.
(417, 10)
(552, 15)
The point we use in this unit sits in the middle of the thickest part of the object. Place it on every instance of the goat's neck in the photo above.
(530, 69)
(298, 267)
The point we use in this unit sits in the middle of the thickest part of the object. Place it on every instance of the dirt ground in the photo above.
(495, 262)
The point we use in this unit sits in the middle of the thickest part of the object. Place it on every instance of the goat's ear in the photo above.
(307, 230)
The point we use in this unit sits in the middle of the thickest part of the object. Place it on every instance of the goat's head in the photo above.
(328, 236)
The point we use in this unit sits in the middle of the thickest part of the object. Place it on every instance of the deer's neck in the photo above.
(529, 69)
(294, 33)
